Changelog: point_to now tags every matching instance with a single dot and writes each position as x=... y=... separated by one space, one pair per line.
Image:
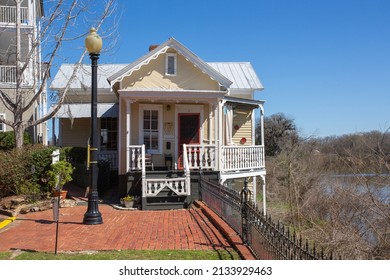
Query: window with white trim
x=151 y=128
x=2 y=125
x=170 y=64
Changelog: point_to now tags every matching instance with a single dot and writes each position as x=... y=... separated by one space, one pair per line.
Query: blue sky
x=324 y=63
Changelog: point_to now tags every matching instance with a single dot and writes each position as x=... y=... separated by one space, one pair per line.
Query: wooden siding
x=242 y=119
x=152 y=76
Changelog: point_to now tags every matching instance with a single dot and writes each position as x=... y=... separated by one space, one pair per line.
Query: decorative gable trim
x=182 y=50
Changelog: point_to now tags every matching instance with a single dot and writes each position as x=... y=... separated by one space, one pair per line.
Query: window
x=2 y=125
x=170 y=64
x=108 y=134
x=151 y=128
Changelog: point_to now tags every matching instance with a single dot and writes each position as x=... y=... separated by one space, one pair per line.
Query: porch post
x=220 y=134
x=262 y=124
x=264 y=196
x=128 y=132
x=210 y=122
x=215 y=107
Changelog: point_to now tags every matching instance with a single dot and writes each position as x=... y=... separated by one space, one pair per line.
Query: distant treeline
x=350 y=218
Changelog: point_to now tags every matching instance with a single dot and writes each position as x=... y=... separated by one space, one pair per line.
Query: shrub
x=22 y=171
x=39 y=161
x=59 y=174
x=30 y=189
x=7 y=140
x=13 y=171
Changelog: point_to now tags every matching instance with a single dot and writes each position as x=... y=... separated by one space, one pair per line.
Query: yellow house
x=166 y=118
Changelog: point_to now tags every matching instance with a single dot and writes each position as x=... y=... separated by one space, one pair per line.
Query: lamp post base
x=93 y=216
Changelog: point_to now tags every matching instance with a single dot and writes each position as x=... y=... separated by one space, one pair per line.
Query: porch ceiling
x=244 y=103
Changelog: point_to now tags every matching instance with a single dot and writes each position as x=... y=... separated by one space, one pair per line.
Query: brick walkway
x=121 y=230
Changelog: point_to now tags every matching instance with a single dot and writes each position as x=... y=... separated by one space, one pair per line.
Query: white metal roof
x=83 y=77
x=241 y=74
x=82 y=110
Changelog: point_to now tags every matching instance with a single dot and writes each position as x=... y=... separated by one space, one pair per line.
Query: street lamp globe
x=93 y=42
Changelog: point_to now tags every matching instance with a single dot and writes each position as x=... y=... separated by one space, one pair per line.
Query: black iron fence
x=267 y=240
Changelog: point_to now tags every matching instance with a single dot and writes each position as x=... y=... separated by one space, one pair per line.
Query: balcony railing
x=233 y=158
x=7 y=74
x=201 y=156
x=242 y=158
x=8 y=14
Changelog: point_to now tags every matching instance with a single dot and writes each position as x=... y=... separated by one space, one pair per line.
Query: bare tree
x=66 y=22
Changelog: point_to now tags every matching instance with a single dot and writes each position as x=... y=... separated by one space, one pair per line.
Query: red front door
x=189 y=129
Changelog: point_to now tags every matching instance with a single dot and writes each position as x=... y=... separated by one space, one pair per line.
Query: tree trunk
x=19 y=136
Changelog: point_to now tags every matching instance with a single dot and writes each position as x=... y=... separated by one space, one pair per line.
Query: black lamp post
x=93 y=43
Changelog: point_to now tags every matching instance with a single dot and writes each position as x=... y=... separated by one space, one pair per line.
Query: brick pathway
x=121 y=230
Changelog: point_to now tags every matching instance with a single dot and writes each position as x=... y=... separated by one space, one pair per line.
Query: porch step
x=165 y=202
x=165 y=206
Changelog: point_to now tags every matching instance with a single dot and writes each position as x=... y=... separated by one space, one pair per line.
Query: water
x=364 y=201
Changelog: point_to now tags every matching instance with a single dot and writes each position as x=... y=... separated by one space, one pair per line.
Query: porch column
x=264 y=196
x=128 y=132
x=262 y=123
x=210 y=122
x=220 y=133
x=215 y=107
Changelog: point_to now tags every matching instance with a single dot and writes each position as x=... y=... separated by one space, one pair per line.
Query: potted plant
x=58 y=175
x=128 y=201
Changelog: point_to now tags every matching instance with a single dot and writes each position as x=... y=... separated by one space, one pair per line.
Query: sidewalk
x=190 y=229
x=121 y=230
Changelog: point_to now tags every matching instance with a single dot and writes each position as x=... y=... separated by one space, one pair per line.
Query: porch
x=177 y=188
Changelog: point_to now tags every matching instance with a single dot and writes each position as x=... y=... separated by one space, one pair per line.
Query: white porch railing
x=7 y=74
x=201 y=156
x=179 y=186
x=233 y=158
x=240 y=158
x=151 y=187
x=8 y=14
x=136 y=154
x=111 y=156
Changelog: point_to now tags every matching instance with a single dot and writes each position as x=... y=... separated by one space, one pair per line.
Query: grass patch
x=130 y=255
x=5 y=255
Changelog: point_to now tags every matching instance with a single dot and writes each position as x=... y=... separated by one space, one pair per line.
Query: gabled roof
x=83 y=77
x=241 y=74
x=181 y=49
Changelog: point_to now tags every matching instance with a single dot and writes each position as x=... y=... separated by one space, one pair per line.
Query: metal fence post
x=244 y=212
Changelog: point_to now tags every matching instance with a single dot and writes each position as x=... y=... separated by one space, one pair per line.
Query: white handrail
x=8 y=74
x=186 y=168
x=201 y=156
x=8 y=14
x=237 y=158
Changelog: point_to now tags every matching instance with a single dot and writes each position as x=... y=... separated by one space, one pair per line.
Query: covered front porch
x=169 y=144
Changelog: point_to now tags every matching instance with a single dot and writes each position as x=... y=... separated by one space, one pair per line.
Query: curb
x=7 y=221
x=233 y=238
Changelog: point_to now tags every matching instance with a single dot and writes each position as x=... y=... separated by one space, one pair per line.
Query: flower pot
x=128 y=203
x=61 y=193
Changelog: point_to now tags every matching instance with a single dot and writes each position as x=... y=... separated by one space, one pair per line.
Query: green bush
x=30 y=189
x=59 y=174
x=22 y=171
x=39 y=161
x=7 y=140
x=13 y=171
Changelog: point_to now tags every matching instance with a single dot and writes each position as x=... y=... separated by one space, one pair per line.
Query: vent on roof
x=152 y=47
